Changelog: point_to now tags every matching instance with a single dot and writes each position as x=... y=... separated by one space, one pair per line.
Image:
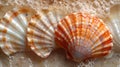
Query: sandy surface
x=58 y=58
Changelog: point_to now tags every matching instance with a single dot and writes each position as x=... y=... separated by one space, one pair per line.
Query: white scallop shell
x=40 y=33
x=114 y=23
x=13 y=28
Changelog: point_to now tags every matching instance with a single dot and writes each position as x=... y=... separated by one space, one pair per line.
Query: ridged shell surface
x=13 y=28
x=40 y=32
x=83 y=36
x=114 y=24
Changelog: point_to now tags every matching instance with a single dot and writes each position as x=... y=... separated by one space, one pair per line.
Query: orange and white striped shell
x=13 y=28
x=40 y=32
x=83 y=36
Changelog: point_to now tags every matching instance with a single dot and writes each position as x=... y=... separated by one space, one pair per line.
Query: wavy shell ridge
x=13 y=30
x=41 y=33
x=85 y=34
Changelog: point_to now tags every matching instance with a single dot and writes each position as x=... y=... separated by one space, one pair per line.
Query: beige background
x=100 y=8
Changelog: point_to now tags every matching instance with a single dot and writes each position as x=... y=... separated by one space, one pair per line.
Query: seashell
x=83 y=37
x=13 y=28
x=113 y=23
x=40 y=32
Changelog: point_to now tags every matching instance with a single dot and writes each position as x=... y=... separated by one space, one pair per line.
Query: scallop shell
x=83 y=37
x=13 y=28
x=40 y=33
x=114 y=24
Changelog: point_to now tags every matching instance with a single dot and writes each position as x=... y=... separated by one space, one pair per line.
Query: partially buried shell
x=83 y=36
x=40 y=33
x=13 y=28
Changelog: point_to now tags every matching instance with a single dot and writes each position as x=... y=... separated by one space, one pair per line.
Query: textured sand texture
x=100 y=8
